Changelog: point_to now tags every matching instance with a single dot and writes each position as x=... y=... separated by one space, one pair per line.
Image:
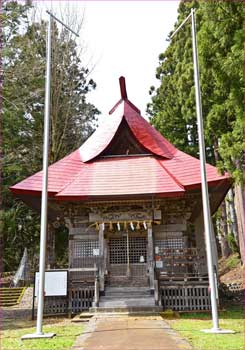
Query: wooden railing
x=76 y=292
x=83 y=293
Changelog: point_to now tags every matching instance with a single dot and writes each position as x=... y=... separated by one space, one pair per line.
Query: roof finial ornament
x=123 y=88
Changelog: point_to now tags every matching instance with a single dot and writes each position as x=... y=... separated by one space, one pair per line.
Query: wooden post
x=156 y=293
x=128 y=261
x=102 y=263
x=50 y=246
x=96 y=292
x=150 y=257
x=200 y=244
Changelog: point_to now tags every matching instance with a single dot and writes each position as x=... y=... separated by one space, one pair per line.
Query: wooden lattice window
x=84 y=247
x=137 y=248
x=170 y=243
x=118 y=250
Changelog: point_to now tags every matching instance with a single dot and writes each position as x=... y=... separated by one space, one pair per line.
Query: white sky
x=123 y=38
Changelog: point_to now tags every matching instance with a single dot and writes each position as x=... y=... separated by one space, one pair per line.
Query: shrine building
x=133 y=206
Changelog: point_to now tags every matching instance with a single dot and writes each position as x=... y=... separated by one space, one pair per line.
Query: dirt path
x=129 y=333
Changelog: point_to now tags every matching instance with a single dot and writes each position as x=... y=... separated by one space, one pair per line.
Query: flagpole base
x=37 y=336
x=218 y=331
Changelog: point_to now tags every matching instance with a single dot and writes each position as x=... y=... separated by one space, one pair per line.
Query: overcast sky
x=123 y=38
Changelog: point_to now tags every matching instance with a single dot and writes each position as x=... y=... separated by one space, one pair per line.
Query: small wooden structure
x=132 y=203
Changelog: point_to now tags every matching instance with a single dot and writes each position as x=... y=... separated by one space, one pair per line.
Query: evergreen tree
x=72 y=117
x=172 y=110
x=221 y=54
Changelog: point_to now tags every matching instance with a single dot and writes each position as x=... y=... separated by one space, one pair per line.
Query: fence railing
x=81 y=293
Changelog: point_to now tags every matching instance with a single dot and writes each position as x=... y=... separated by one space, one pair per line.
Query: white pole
x=43 y=235
x=205 y=197
x=44 y=206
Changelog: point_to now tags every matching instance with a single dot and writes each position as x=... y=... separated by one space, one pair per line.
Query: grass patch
x=189 y=325
x=66 y=333
x=232 y=261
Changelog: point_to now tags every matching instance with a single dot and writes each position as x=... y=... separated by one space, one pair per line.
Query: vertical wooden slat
x=181 y=298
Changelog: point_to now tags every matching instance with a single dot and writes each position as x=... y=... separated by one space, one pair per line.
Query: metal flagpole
x=44 y=208
x=44 y=205
x=205 y=196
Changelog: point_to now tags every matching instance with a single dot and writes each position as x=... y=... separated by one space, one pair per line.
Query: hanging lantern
x=138 y=225
x=132 y=226
x=145 y=226
x=118 y=226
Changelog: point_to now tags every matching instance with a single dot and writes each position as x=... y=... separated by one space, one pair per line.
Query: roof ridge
x=126 y=100
x=171 y=175
x=72 y=179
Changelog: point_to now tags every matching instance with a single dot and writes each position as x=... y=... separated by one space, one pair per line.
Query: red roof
x=145 y=134
x=59 y=175
x=121 y=176
x=84 y=174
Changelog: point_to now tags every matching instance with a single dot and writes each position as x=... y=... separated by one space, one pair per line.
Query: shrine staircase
x=130 y=300
x=11 y=296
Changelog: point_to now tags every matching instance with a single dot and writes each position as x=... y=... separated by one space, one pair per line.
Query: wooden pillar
x=200 y=243
x=150 y=260
x=128 y=261
x=51 y=247
x=102 y=260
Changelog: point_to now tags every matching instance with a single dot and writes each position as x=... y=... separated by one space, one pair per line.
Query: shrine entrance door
x=127 y=259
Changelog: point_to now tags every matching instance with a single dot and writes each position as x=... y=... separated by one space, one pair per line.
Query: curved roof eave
x=144 y=133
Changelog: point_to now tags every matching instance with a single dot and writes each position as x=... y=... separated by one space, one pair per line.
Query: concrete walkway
x=129 y=333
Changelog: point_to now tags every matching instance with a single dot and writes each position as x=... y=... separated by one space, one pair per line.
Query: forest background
x=220 y=32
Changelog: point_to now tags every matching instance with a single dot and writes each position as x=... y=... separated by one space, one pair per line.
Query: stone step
x=126 y=296
x=11 y=296
x=126 y=292
x=6 y=298
x=78 y=319
x=127 y=302
x=127 y=289
x=11 y=289
x=8 y=303
x=128 y=282
x=2 y=295
x=146 y=310
x=85 y=314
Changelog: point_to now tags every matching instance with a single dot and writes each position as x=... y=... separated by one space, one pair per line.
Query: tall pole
x=205 y=197
x=44 y=207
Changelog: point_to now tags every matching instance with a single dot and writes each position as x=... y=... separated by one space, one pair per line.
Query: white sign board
x=156 y=250
x=96 y=252
x=55 y=283
x=159 y=264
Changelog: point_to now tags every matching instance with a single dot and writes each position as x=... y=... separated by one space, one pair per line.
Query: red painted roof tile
x=145 y=134
x=121 y=176
x=186 y=169
x=59 y=174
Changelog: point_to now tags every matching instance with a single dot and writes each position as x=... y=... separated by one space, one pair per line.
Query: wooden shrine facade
x=132 y=204
x=150 y=243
